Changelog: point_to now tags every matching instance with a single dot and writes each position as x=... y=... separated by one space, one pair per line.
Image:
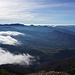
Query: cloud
x=11 y=33
x=8 y=40
x=30 y=11
x=7 y=57
x=6 y=37
x=16 y=9
x=19 y=10
x=54 y=5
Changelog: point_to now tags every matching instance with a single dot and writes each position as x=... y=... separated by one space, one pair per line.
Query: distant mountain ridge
x=16 y=24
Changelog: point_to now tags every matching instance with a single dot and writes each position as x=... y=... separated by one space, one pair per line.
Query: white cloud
x=6 y=37
x=19 y=10
x=16 y=9
x=25 y=10
x=8 y=58
x=8 y=40
x=11 y=33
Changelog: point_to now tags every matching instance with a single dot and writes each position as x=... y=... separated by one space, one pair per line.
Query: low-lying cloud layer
x=7 y=57
x=6 y=37
x=10 y=33
x=8 y=40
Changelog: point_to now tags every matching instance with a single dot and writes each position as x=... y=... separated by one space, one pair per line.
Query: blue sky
x=37 y=11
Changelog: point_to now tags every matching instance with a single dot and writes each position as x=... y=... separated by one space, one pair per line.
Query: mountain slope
x=65 y=65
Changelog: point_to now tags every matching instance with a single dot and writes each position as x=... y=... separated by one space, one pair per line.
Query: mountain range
x=51 y=47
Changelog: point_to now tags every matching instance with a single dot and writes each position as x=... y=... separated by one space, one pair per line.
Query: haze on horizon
x=37 y=11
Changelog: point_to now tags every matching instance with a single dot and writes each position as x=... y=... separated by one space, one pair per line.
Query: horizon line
x=40 y=24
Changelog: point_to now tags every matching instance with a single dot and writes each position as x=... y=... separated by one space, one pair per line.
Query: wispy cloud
x=8 y=40
x=21 y=9
x=52 y=5
x=26 y=11
x=8 y=58
x=11 y=33
x=6 y=37
x=17 y=9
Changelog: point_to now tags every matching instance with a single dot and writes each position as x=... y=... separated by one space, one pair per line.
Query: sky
x=37 y=11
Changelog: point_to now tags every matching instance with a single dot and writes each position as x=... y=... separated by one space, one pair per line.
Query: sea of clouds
x=7 y=57
x=6 y=37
